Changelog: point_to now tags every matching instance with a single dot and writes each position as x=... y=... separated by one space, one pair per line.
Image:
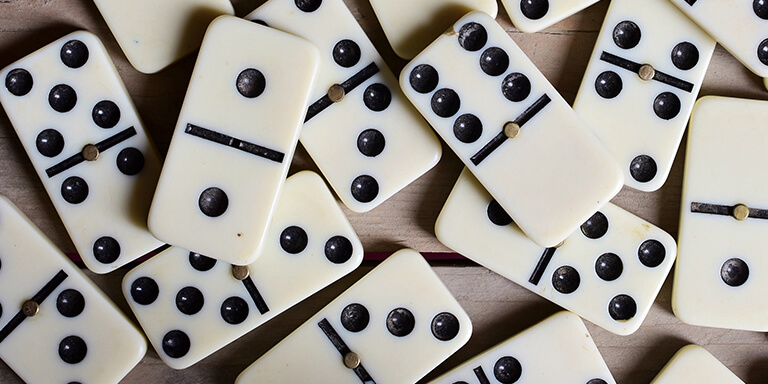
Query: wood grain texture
x=498 y=308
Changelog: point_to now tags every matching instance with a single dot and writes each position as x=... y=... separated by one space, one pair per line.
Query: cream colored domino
x=693 y=364
x=641 y=84
x=56 y=326
x=88 y=145
x=723 y=234
x=191 y=305
x=393 y=326
x=765 y=81
x=234 y=140
x=511 y=128
x=154 y=34
x=411 y=25
x=534 y=15
x=608 y=272
x=556 y=350
x=741 y=26
x=370 y=143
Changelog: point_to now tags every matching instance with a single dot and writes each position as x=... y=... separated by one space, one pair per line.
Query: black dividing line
x=38 y=298
x=343 y=349
x=691 y=2
x=351 y=83
x=256 y=296
x=229 y=141
x=544 y=260
x=497 y=140
x=101 y=146
x=635 y=67
x=481 y=377
x=726 y=210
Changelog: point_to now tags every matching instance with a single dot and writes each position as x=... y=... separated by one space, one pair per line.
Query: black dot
x=566 y=279
x=445 y=102
x=472 y=36
x=200 y=262
x=734 y=272
x=355 y=317
x=62 y=98
x=130 y=161
x=626 y=35
x=761 y=8
x=597 y=381
x=293 y=239
x=400 y=322
x=497 y=214
x=364 y=188
x=234 y=310
x=70 y=303
x=308 y=5
x=445 y=326
x=74 y=54
x=651 y=253
x=507 y=370
x=213 y=202
x=106 y=250
x=1 y=310
x=18 y=82
x=371 y=142
x=189 y=300
x=72 y=350
x=666 y=105
x=144 y=290
x=762 y=52
x=534 y=9
x=596 y=226
x=685 y=56
x=346 y=53
x=494 y=61
x=424 y=78
x=622 y=307
x=643 y=168
x=49 y=143
x=176 y=344
x=74 y=190
x=609 y=266
x=516 y=87
x=251 y=83
x=467 y=128
x=338 y=249
x=377 y=97
x=608 y=84
x=106 y=114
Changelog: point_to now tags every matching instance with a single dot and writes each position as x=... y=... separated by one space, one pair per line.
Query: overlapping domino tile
x=191 y=305
x=366 y=138
x=512 y=129
x=234 y=140
x=534 y=15
x=557 y=350
x=393 y=326
x=693 y=364
x=640 y=86
x=154 y=34
x=723 y=233
x=741 y=26
x=55 y=324
x=411 y=31
x=608 y=272
x=88 y=145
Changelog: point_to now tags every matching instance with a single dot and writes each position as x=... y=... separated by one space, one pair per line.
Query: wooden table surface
x=498 y=308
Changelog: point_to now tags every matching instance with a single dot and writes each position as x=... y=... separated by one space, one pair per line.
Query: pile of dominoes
x=220 y=239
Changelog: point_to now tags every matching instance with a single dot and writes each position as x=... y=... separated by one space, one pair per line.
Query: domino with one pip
x=234 y=140
x=534 y=15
